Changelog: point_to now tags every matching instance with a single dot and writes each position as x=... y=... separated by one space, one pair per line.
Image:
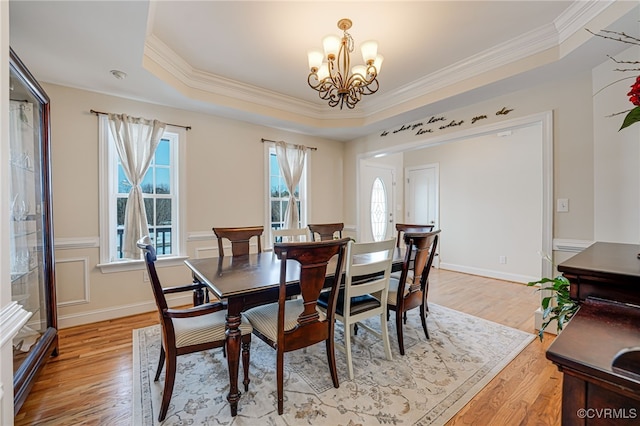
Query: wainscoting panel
x=74 y=272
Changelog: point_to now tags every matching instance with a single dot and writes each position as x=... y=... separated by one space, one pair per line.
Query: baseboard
x=488 y=273
x=72 y=320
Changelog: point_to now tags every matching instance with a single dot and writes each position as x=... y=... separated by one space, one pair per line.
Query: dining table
x=252 y=280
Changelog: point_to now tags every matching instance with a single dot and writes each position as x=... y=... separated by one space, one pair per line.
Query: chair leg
x=423 y=316
x=160 y=364
x=399 y=331
x=169 y=379
x=280 y=379
x=385 y=336
x=246 y=345
x=331 y=358
x=347 y=348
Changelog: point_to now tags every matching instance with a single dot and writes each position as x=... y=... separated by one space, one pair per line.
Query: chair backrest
x=150 y=257
x=240 y=238
x=314 y=259
x=290 y=235
x=326 y=231
x=421 y=249
x=369 y=267
x=405 y=227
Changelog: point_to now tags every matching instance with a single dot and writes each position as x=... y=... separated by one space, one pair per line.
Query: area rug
x=427 y=386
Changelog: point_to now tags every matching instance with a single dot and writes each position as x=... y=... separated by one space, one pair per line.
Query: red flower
x=634 y=94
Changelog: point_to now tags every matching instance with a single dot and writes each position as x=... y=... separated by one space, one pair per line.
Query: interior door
x=376 y=202
x=421 y=195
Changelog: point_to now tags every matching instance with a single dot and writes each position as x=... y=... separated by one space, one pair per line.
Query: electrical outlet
x=563 y=205
x=502 y=260
x=145 y=276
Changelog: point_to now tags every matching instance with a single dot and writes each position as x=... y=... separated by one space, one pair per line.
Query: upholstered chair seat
x=265 y=317
x=204 y=328
x=393 y=290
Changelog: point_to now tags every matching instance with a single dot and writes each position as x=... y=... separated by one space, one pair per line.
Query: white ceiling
x=247 y=60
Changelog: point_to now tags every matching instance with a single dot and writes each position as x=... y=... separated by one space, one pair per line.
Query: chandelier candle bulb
x=331 y=45
x=369 y=51
x=315 y=59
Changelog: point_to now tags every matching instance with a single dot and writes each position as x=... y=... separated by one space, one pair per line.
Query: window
x=278 y=194
x=160 y=188
x=378 y=210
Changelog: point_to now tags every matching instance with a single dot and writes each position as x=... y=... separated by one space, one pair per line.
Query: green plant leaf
x=632 y=117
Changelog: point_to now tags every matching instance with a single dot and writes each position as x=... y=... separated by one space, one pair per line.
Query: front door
x=376 y=202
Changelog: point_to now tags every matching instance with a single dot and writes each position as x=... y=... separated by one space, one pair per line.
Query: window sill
x=134 y=265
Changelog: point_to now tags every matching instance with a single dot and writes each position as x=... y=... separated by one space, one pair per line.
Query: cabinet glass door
x=26 y=225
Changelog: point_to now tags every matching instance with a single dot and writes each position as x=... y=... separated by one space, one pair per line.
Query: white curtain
x=136 y=142
x=291 y=161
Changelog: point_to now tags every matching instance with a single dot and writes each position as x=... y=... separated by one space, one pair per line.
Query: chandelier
x=331 y=73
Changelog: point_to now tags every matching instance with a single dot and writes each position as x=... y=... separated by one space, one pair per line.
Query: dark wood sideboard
x=605 y=279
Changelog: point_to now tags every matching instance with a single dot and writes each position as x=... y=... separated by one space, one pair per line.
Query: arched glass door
x=379 y=210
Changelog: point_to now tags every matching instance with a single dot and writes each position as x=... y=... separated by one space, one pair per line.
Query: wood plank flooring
x=90 y=382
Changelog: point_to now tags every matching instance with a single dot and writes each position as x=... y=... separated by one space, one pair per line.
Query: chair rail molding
x=76 y=243
x=568 y=245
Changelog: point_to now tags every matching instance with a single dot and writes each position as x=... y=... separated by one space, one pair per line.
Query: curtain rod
x=168 y=124
x=311 y=148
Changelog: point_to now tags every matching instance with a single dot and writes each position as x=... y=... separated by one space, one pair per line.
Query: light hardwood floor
x=90 y=382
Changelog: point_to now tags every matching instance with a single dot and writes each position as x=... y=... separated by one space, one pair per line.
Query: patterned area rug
x=427 y=386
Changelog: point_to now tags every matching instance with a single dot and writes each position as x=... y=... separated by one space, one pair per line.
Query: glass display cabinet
x=31 y=228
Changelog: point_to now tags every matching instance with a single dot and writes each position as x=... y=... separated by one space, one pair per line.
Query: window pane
x=163 y=180
x=163 y=212
x=273 y=165
x=123 y=183
x=148 y=206
x=163 y=240
x=120 y=207
x=276 y=216
x=147 y=182
x=163 y=153
x=378 y=210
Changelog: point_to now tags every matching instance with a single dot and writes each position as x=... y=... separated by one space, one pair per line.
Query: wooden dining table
x=248 y=281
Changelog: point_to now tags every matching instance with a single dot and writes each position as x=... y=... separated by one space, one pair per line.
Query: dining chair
x=240 y=239
x=289 y=235
x=292 y=324
x=326 y=231
x=409 y=291
x=405 y=227
x=185 y=331
x=364 y=295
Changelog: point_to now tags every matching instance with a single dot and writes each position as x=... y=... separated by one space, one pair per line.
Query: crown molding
x=540 y=41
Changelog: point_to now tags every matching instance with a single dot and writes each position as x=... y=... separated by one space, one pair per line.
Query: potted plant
x=558 y=306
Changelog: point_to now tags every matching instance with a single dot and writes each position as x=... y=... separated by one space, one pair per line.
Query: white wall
x=491 y=202
x=570 y=102
x=225 y=163
x=617 y=154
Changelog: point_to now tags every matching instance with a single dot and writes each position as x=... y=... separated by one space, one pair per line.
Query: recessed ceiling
x=247 y=60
